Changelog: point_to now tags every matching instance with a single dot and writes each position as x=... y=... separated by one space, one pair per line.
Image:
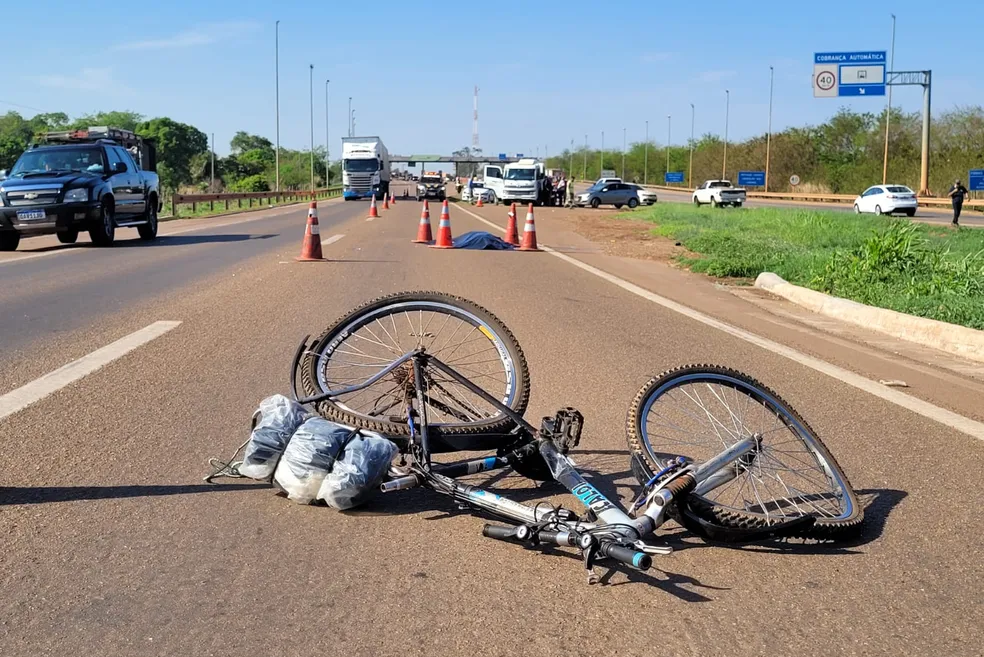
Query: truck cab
x=521 y=181
x=365 y=168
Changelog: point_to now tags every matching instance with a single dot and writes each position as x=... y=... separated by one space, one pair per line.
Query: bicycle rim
x=697 y=414
x=466 y=342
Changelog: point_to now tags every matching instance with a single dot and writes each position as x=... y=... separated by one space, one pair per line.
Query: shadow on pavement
x=46 y=494
x=182 y=240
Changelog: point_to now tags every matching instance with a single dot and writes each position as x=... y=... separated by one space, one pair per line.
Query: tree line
x=842 y=156
x=184 y=160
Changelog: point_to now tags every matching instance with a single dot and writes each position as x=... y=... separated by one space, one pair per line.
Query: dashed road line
x=965 y=425
x=36 y=390
x=331 y=240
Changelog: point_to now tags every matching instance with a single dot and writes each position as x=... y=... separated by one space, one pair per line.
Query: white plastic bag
x=309 y=457
x=357 y=473
x=279 y=419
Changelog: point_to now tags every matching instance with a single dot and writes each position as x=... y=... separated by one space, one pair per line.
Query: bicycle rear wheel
x=697 y=410
x=460 y=333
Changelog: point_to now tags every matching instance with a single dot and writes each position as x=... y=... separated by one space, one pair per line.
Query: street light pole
x=888 y=111
x=327 y=107
x=277 y=66
x=727 y=109
x=349 y=126
x=690 y=173
x=601 y=155
x=312 y=125
x=623 y=153
x=668 y=140
x=768 y=139
x=570 y=165
x=645 y=166
x=211 y=185
x=584 y=171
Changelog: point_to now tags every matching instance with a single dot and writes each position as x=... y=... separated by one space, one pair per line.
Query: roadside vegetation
x=925 y=270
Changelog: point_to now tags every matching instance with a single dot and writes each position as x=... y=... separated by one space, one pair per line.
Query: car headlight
x=77 y=195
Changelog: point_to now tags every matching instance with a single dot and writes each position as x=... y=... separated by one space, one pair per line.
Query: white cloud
x=201 y=35
x=88 y=79
x=715 y=76
x=654 y=57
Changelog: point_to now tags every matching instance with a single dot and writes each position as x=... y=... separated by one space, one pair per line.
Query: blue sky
x=547 y=72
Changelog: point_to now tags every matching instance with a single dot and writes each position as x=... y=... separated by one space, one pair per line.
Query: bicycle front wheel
x=462 y=334
x=699 y=410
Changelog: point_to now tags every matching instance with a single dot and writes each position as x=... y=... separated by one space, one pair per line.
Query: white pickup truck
x=718 y=193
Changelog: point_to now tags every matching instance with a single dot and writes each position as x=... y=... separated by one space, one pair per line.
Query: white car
x=601 y=182
x=646 y=196
x=886 y=199
x=719 y=193
x=478 y=190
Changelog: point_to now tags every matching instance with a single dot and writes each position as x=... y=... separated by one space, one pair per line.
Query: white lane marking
x=259 y=214
x=22 y=397
x=331 y=240
x=965 y=425
x=370 y=218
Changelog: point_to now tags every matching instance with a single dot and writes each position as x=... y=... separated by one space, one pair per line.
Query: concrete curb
x=958 y=340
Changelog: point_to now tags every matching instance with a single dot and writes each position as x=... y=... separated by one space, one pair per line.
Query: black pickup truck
x=81 y=180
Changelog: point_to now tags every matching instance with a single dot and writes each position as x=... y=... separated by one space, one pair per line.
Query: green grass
x=219 y=207
x=924 y=270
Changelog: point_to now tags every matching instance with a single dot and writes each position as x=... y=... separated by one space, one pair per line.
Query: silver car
x=616 y=193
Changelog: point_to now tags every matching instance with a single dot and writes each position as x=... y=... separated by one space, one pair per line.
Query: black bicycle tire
x=496 y=426
x=822 y=529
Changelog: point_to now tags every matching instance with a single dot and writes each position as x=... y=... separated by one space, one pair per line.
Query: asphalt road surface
x=112 y=545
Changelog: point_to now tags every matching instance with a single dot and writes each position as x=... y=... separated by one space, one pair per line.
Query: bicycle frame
x=614 y=523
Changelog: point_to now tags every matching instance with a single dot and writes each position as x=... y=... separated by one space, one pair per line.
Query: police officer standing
x=957 y=194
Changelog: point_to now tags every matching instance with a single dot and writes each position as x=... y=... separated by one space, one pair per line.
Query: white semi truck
x=365 y=168
x=521 y=181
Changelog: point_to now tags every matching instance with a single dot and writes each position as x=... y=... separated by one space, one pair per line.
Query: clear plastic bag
x=279 y=419
x=309 y=458
x=357 y=473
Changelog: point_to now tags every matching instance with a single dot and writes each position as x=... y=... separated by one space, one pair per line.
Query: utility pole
x=690 y=174
x=601 y=155
x=570 y=166
x=768 y=139
x=312 y=125
x=277 y=67
x=888 y=110
x=623 y=153
x=645 y=166
x=727 y=109
x=668 y=140
x=211 y=184
x=327 y=158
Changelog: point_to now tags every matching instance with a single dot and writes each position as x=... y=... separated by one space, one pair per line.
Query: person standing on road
x=561 y=191
x=956 y=194
x=570 y=193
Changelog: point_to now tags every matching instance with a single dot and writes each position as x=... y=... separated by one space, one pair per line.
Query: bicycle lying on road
x=713 y=448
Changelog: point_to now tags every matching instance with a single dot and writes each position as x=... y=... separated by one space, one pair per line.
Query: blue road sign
x=975 y=180
x=502 y=156
x=751 y=178
x=673 y=176
x=839 y=74
x=519 y=155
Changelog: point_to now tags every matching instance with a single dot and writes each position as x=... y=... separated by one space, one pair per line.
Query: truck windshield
x=430 y=180
x=361 y=166
x=59 y=159
x=520 y=174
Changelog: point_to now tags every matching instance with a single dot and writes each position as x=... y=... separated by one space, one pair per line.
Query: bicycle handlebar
x=628 y=556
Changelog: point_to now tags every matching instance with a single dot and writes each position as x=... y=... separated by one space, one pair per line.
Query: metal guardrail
x=271 y=198
x=825 y=198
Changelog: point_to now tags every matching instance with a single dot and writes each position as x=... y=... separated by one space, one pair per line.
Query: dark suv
x=80 y=182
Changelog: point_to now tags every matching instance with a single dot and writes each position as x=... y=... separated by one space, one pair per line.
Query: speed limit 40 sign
x=824 y=81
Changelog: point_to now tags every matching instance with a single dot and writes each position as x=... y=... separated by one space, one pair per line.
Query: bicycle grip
x=628 y=556
x=499 y=532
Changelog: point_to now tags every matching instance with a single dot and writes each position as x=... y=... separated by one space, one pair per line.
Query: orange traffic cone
x=311 y=246
x=392 y=199
x=479 y=204
x=424 y=229
x=529 y=233
x=444 y=239
x=372 y=207
x=386 y=202
x=512 y=237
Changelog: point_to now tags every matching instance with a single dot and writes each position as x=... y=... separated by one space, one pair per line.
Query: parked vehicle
x=646 y=196
x=887 y=199
x=617 y=194
x=77 y=180
x=431 y=185
x=365 y=168
x=607 y=180
x=478 y=191
x=718 y=193
x=521 y=181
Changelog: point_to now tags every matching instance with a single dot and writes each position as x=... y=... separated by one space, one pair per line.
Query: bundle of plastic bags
x=312 y=459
